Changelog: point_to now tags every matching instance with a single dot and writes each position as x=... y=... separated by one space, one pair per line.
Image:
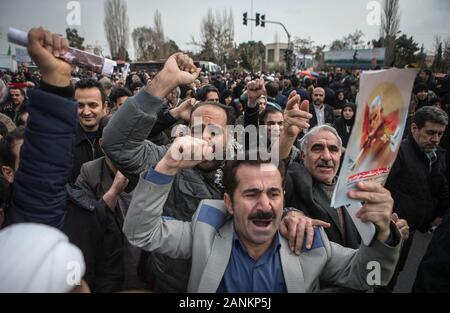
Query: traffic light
x=257 y=19
x=245 y=18
x=263 y=20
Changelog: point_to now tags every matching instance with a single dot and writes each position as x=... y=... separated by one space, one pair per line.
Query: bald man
x=322 y=113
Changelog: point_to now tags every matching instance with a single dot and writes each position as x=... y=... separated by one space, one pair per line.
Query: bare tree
x=390 y=26
x=117 y=28
x=446 y=45
x=354 y=40
x=303 y=45
x=216 y=37
x=150 y=42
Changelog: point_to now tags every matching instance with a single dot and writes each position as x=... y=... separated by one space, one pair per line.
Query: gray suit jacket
x=207 y=241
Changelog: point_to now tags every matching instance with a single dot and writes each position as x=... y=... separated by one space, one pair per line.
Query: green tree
x=438 y=60
x=338 y=45
x=252 y=55
x=405 y=51
x=74 y=39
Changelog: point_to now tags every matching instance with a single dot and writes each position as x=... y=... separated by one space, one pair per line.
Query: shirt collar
x=273 y=249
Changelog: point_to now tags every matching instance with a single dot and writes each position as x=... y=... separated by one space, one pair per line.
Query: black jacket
x=85 y=151
x=329 y=115
x=91 y=226
x=420 y=195
x=433 y=274
x=341 y=128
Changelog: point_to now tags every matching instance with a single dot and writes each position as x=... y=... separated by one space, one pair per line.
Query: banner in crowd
x=383 y=103
x=363 y=58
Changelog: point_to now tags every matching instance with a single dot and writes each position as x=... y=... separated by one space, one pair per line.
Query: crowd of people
x=104 y=170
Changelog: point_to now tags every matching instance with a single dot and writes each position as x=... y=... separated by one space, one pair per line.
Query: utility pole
x=251 y=26
x=290 y=54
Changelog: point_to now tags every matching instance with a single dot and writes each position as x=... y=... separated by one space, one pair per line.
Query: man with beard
x=235 y=247
x=322 y=113
x=125 y=144
x=92 y=108
x=312 y=179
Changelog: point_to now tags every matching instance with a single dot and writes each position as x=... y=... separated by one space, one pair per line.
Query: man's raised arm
x=125 y=136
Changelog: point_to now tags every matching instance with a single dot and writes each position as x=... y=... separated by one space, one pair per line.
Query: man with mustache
x=312 y=179
x=244 y=253
x=124 y=142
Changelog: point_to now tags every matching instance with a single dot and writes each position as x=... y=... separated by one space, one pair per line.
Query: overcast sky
x=322 y=20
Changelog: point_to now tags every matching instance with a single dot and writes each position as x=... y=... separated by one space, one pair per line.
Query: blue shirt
x=245 y=275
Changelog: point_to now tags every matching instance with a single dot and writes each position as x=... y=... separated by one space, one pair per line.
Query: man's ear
x=414 y=127
x=302 y=155
x=8 y=173
x=228 y=203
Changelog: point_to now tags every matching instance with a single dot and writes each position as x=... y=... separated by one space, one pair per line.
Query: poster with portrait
x=383 y=103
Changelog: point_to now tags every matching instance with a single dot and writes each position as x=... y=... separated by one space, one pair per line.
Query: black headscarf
x=351 y=121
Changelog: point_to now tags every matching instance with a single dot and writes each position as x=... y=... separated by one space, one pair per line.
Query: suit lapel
x=218 y=259
x=292 y=270
x=321 y=201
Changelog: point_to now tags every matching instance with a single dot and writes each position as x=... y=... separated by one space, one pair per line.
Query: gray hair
x=177 y=91
x=325 y=127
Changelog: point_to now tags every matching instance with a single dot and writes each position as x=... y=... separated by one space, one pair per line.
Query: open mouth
x=262 y=223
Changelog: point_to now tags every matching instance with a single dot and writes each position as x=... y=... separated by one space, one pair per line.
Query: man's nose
x=264 y=202
x=435 y=138
x=326 y=155
x=86 y=111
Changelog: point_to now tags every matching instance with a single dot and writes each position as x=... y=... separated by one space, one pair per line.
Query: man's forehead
x=209 y=114
x=88 y=93
x=323 y=137
x=433 y=126
x=275 y=116
x=250 y=176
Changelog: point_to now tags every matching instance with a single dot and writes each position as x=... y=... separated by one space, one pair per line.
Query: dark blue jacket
x=46 y=158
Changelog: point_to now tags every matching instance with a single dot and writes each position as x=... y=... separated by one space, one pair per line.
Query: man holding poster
x=373 y=146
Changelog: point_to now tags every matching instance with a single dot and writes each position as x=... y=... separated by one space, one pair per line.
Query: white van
x=210 y=67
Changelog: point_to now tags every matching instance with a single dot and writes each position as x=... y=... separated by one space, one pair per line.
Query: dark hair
x=205 y=90
x=7 y=157
x=322 y=81
x=22 y=91
x=120 y=92
x=349 y=105
x=295 y=82
x=230 y=181
x=269 y=109
x=136 y=85
x=420 y=87
x=88 y=83
x=430 y=114
x=225 y=94
x=272 y=89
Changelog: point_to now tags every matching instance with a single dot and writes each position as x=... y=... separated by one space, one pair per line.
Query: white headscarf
x=38 y=258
